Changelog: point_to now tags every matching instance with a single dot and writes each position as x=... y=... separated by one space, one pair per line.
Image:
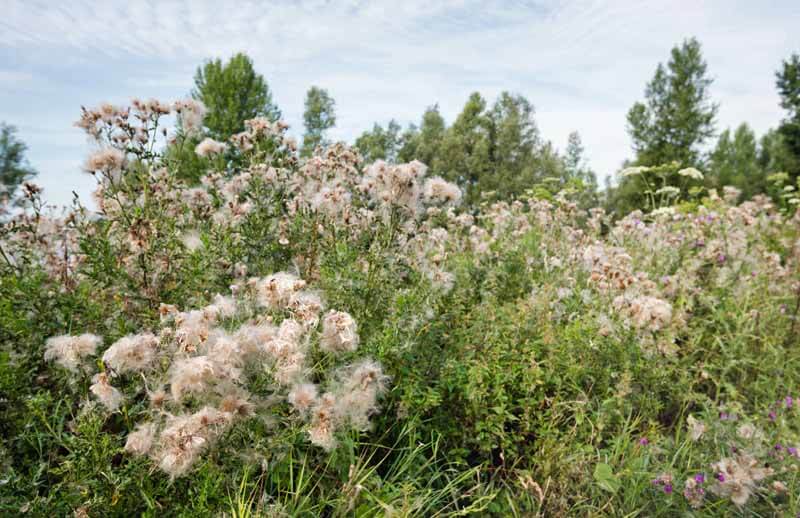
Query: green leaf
x=604 y=476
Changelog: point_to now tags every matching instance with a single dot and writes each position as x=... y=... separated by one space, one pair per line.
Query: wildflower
x=209 y=147
x=131 y=353
x=360 y=386
x=221 y=306
x=165 y=311
x=141 y=440
x=276 y=290
x=68 y=351
x=306 y=307
x=253 y=337
x=302 y=397
x=289 y=360
x=664 y=480
x=663 y=211
x=646 y=312
x=193 y=327
x=323 y=422
x=192 y=241
x=691 y=172
x=644 y=441
x=338 y=333
x=106 y=160
x=185 y=437
x=692 y=492
x=696 y=428
x=668 y=191
x=157 y=398
x=192 y=375
x=225 y=352
x=437 y=190
x=190 y=115
x=109 y=396
x=748 y=431
x=633 y=171
x=738 y=478
x=236 y=404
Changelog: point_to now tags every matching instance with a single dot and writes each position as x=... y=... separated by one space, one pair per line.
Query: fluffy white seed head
x=140 y=441
x=109 y=396
x=339 y=333
x=68 y=351
x=132 y=353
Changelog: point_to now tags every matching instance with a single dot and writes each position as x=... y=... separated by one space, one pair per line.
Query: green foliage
x=424 y=143
x=677 y=116
x=380 y=143
x=735 y=162
x=544 y=360
x=492 y=152
x=788 y=83
x=232 y=92
x=14 y=168
x=318 y=117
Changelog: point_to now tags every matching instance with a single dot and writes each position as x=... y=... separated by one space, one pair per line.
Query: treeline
x=494 y=150
x=675 y=124
x=491 y=151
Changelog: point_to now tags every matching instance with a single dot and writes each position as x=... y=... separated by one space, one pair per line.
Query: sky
x=582 y=63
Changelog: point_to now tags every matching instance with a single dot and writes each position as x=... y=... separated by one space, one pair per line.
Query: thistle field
x=321 y=336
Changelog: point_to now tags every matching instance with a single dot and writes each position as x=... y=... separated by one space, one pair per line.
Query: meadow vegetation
x=238 y=327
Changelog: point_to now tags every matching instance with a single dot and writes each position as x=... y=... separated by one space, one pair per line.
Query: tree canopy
x=14 y=167
x=318 y=117
x=232 y=92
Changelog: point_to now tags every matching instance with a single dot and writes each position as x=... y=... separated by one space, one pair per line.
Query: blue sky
x=582 y=63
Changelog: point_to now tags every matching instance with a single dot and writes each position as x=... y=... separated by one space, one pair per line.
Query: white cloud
x=582 y=63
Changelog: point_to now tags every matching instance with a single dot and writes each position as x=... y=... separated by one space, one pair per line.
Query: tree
x=463 y=154
x=232 y=93
x=574 y=162
x=677 y=116
x=774 y=156
x=577 y=173
x=318 y=117
x=380 y=143
x=14 y=168
x=514 y=141
x=424 y=143
x=788 y=83
x=734 y=161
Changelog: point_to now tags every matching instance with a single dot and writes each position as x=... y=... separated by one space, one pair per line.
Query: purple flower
x=723 y=416
x=644 y=441
x=772 y=415
x=778 y=447
x=721 y=258
x=792 y=451
x=668 y=488
x=720 y=477
x=788 y=401
x=700 y=478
